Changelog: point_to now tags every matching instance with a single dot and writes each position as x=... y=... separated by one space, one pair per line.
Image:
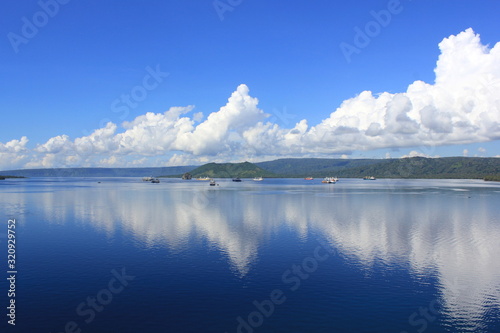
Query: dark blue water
x=281 y=255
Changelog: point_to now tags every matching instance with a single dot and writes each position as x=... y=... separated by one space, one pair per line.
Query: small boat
x=213 y=183
x=155 y=180
x=329 y=180
x=236 y=180
x=258 y=179
x=309 y=178
x=369 y=178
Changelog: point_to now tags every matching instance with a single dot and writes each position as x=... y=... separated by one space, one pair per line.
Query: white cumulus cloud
x=211 y=136
x=14 y=154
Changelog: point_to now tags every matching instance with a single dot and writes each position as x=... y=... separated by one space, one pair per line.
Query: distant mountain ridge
x=100 y=172
x=421 y=167
x=415 y=167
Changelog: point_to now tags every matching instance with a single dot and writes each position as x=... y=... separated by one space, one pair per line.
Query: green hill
x=230 y=170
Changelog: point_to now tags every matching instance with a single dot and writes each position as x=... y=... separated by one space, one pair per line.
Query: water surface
x=356 y=256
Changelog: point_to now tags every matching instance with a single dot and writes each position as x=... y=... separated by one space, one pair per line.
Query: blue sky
x=71 y=76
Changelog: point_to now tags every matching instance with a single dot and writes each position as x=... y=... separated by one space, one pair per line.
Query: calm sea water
x=281 y=255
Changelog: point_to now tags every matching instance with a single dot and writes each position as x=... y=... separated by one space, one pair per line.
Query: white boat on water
x=203 y=178
x=330 y=180
x=147 y=179
x=258 y=179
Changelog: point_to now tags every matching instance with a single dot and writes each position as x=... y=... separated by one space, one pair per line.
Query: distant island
x=3 y=177
x=487 y=168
